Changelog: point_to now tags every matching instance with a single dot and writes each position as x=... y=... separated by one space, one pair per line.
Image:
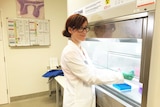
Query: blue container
x=122 y=86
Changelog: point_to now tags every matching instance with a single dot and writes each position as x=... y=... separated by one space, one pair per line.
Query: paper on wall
x=53 y=62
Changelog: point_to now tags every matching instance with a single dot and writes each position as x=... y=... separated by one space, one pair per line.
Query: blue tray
x=122 y=86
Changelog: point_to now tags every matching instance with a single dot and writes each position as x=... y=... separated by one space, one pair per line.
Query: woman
x=78 y=70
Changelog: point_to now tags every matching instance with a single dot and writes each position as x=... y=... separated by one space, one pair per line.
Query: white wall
x=154 y=79
x=26 y=65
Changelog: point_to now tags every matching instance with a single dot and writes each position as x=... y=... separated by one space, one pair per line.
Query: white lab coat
x=81 y=76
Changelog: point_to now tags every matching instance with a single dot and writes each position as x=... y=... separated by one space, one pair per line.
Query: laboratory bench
x=60 y=83
x=104 y=98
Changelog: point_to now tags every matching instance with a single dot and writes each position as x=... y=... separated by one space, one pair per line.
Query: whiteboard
x=28 y=32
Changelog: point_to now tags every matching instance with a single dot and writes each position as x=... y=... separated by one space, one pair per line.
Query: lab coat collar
x=70 y=42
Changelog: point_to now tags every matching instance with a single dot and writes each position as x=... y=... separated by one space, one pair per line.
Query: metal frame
x=146 y=55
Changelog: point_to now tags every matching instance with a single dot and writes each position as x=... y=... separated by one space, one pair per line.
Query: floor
x=42 y=101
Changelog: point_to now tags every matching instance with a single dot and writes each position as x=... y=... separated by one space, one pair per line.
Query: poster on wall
x=30 y=9
x=28 y=32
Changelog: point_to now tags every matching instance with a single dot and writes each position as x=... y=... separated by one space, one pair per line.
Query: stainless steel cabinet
x=104 y=100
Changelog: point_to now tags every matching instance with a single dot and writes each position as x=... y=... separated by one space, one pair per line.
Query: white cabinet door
x=3 y=80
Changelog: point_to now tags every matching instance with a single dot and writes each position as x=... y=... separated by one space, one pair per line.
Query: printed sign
x=101 y=5
x=141 y=3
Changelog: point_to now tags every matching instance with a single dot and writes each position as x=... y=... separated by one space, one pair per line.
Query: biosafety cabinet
x=123 y=46
x=122 y=42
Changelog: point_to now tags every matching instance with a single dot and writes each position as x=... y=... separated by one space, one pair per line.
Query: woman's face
x=78 y=35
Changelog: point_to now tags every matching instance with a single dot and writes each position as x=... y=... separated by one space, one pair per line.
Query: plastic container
x=123 y=87
x=128 y=75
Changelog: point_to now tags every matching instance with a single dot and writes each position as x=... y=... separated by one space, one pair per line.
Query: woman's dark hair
x=75 y=21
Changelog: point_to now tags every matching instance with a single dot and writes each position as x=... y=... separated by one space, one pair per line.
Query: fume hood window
x=125 y=29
